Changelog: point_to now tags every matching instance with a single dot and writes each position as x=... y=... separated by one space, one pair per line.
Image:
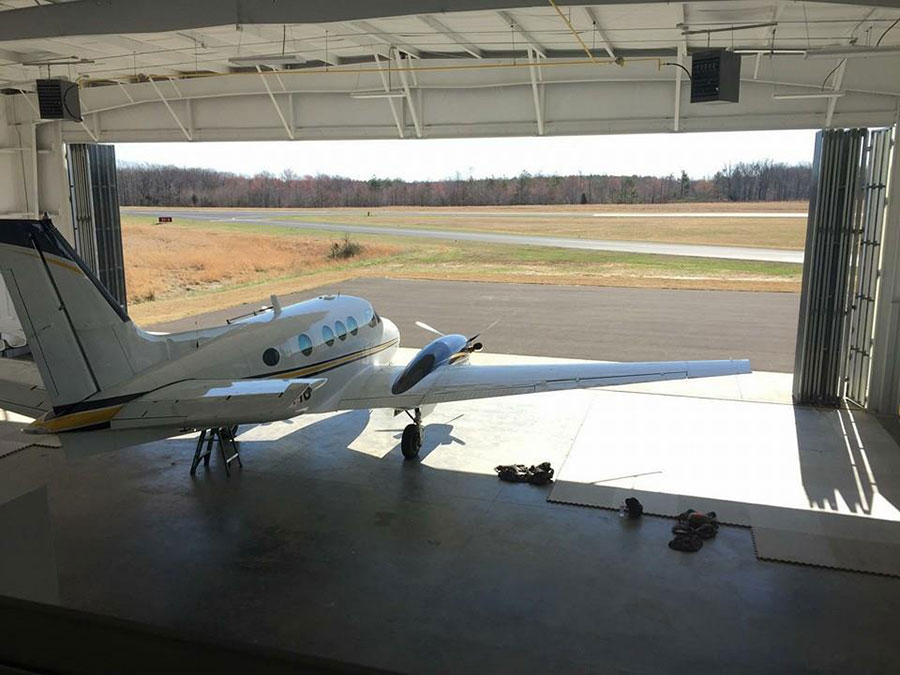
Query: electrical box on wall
x=58 y=100
x=715 y=76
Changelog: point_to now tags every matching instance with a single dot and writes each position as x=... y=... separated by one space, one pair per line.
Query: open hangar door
x=95 y=213
x=842 y=266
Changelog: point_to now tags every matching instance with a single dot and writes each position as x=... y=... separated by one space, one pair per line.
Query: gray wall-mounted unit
x=715 y=76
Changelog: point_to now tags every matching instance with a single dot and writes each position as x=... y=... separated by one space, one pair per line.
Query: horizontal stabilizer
x=201 y=404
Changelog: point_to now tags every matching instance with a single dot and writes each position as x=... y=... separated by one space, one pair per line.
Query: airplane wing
x=209 y=403
x=463 y=382
x=21 y=388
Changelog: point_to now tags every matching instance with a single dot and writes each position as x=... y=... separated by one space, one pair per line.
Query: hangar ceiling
x=264 y=70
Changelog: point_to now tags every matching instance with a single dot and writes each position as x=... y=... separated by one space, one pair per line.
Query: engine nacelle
x=431 y=357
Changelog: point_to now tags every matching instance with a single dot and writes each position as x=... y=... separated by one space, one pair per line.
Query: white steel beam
x=598 y=31
x=405 y=82
x=682 y=53
x=528 y=37
x=534 y=69
x=387 y=89
x=90 y=133
x=832 y=102
x=448 y=32
x=287 y=127
x=385 y=38
x=186 y=133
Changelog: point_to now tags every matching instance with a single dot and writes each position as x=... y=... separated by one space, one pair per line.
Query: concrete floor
x=328 y=543
x=582 y=322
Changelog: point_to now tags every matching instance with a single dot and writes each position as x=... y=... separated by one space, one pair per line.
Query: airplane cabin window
x=354 y=328
x=328 y=335
x=341 y=330
x=306 y=345
x=271 y=357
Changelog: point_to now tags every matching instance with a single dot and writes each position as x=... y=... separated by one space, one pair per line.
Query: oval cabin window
x=328 y=335
x=305 y=343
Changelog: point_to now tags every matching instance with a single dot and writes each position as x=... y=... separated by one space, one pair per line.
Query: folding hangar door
x=842 y=266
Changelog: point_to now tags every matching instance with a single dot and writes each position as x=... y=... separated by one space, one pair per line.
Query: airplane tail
x=82 y=340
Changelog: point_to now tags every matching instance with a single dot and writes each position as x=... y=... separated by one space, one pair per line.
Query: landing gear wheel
x=411 y=442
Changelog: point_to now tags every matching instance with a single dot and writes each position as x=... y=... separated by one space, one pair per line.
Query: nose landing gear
x=411 y=442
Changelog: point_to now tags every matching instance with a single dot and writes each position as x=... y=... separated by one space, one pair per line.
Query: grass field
x=587 y=222
x=186 y=267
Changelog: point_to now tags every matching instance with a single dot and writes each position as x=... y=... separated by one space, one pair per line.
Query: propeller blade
x=425 y=326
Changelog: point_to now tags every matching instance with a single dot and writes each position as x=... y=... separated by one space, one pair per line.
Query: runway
x=612 y=324
x=654 y=248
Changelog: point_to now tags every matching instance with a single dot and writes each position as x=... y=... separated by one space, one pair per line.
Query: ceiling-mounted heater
x=715 y=76
x=58 y=100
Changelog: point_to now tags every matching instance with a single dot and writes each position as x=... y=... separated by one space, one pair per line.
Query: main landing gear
x=411 y=442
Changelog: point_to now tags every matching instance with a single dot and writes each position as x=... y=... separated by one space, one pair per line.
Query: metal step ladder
x=222 y=437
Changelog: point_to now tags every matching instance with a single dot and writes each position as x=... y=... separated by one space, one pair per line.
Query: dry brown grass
x=165 y=261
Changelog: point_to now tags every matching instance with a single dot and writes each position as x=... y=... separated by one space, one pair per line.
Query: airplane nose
x=390 y=329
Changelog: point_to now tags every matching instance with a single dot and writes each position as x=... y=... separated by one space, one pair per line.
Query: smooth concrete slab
x=780 y=469
x=28 y=563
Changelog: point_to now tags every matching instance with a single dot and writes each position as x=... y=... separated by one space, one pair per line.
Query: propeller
x=472 y=346
x=422 y=324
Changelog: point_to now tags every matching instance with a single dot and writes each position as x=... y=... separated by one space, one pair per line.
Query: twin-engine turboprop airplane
x=99 y=371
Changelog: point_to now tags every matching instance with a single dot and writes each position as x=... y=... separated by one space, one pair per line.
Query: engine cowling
x=435 y=354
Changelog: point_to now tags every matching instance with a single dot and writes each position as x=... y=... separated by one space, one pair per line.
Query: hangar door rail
x=841 y=270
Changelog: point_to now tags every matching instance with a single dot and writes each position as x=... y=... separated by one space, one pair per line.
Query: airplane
x=97 y=371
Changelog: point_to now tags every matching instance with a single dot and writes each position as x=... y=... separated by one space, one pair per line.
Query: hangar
x=267 y=70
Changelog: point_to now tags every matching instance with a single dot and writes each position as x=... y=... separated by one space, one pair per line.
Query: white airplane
x=100 y=371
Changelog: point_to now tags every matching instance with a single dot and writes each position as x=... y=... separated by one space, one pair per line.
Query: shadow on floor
x=848 y=461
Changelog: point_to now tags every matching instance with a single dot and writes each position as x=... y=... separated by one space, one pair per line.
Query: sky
x=700 y=154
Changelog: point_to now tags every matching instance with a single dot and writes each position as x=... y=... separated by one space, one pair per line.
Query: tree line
x=154 y=185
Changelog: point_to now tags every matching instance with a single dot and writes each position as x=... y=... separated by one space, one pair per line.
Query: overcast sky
x=646 y=154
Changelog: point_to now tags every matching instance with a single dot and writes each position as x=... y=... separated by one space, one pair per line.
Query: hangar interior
x=325 y=544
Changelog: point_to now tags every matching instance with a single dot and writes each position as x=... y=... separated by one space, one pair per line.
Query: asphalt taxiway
x=584 y=322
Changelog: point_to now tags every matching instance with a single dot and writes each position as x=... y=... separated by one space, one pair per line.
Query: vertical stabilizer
x=76 y=331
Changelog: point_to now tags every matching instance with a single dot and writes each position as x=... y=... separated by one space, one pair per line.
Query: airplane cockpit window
x=369 y=316
x=354 y=328
x=328 y=335
x=271 y=357
x=374 y=320
x=305 y=343
x=341 y=330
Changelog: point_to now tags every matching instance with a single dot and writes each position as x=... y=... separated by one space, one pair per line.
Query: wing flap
x=209 y=403
x=464 y=382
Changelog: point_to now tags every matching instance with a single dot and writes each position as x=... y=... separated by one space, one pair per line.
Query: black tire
x=411 y=442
